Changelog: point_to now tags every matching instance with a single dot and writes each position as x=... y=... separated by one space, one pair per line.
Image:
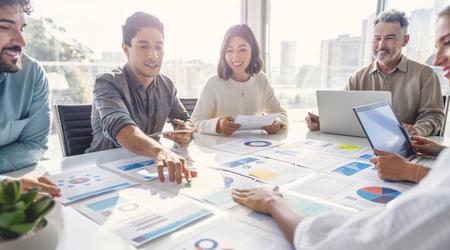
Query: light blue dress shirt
x=24 y=116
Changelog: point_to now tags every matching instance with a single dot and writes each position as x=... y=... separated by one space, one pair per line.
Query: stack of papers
x=340 y=173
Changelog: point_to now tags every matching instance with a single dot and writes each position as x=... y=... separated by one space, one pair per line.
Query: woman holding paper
x=239 y=88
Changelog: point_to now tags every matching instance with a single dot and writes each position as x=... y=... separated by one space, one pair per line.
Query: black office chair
x=74 y=128
x=189 y=104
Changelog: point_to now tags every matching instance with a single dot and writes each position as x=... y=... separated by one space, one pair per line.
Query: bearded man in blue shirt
x=24 y=105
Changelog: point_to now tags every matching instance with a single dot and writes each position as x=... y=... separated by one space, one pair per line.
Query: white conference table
x=76 y=231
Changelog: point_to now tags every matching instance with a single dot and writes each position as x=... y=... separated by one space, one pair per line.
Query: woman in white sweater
x=239 y=88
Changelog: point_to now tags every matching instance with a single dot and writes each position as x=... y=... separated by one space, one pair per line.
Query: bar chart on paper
x=139 y=168
x=140 y=215
x=351 y=168
x=265 y=170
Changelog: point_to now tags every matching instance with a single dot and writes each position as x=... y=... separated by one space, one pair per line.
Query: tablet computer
x=383 y=129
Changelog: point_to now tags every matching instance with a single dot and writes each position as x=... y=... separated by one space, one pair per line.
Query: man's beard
x=12 y=67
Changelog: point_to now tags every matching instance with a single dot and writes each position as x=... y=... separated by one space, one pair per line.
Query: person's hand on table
x=257 y=199
x=426 y=146
x=274 y=128
x=312 y=121
x=226 y=126
x=44 y=184
x=175 y=165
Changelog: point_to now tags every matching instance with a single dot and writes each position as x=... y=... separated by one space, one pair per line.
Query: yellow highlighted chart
x=349 y=147
x=264 y=174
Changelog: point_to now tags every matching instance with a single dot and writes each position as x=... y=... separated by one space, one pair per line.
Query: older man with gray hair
x=416 y=94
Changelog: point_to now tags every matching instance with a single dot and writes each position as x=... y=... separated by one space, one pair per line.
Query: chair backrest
x=446 y=101
x=74 y=128
x=189 y=103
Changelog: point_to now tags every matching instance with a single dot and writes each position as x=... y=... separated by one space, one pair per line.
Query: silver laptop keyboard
x=424 y=161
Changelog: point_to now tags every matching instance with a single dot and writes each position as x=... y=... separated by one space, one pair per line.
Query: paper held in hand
x=255 y=121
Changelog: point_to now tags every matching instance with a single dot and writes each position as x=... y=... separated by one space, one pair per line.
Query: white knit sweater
x=221 y=98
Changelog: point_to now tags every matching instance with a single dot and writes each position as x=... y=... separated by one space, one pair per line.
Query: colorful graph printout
x=265 y=170
x=357 y=193
x=228 y=233
x=210 y=185
x=140 y=215
x=328 y=148
x=138 y=168
x=378 y=194
x=77 y=185
x=301 y=157
x=351 y=168
x=246 y=146
x=258 y=143
x=367 y=156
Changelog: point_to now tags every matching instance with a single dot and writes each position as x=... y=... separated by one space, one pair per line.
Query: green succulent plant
x=21 y=212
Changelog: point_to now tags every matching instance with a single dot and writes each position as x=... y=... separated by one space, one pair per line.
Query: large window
x=309 y=45
x=316 y=45
x=76 y=40
x=422 y=14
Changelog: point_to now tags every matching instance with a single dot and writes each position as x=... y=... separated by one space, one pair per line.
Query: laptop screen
x=383 y=129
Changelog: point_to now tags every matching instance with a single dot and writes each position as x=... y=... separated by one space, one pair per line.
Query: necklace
x=242 y=83
x=242 y=87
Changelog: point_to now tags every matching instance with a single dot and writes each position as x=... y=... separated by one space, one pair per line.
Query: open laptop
x=336 y=109
x=386 y=133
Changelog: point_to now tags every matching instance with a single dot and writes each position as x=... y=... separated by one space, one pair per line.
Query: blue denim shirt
x=24 y=116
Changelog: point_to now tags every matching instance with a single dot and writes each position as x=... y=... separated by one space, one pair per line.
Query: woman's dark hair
x=25 y=4
x=136 y=22
x=256 y=62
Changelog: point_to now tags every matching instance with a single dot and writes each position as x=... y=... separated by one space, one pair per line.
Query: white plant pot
x=43 y=239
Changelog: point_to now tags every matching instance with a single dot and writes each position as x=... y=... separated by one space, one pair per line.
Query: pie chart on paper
x=378 y=194
x=257 y=143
